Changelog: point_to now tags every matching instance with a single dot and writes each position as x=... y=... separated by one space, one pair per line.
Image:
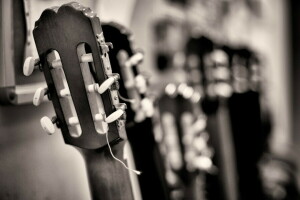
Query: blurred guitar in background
x=133 y=89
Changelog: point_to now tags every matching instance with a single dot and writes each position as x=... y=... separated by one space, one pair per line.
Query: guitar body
x=140 y=133
x=74 y=58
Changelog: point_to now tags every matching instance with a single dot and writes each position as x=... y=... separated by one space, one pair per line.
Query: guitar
x=249 y=127
x=210 y=75
x=186 y=141
x=73 y=56
x=125 y=60
x=233 y=75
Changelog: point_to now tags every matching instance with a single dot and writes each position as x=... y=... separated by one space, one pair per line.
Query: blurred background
x=255 y=41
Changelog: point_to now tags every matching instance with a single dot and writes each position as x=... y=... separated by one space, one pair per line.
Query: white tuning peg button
x=107 y=83
x=47 y=125
x=141 y=83
x=203 y=163
x=199 y=143
x=30 y=64
x=147 y=106
x=135 y=59
x=40 y=96
x=114 y=116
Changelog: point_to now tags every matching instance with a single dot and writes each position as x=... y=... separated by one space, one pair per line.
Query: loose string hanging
x=125 y=99
x=129 y=169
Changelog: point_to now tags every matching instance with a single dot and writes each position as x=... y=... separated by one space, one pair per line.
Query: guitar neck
x=108 y=178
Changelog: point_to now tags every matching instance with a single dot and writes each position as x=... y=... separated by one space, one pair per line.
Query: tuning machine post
x=48 y=124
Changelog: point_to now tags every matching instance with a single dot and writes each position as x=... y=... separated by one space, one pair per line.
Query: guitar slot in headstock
x=65 y=98
x=129 y=81
x=95 y=101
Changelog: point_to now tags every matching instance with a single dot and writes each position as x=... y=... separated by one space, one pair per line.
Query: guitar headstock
x=246 y=69
x=126 y=61
x=73 y=56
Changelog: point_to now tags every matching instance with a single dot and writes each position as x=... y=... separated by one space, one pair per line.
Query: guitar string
x=128 y=168
x=125 y=99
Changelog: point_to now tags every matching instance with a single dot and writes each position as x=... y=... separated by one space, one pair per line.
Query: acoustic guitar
x=74 y=58
x=133 y=88
x=209 y=69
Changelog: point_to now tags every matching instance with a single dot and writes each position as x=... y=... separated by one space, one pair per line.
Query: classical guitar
x=210 y=74
x=188 y=154
x=249 y=121
x=74 y=58
x=125 y=60
x=186 y=141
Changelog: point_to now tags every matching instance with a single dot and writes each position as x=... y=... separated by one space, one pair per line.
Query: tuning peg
x=200 y=124
x=203 y=163
x=64 y=92
x=147 y=106
x=40 y=95
x=48 y=124
x=30 y=64
x=114 y=116
x=117 y=114
x=86 y=58
x=141 y=83
x=135 y=59
x=220 y=56
x=199 y=144
x=108 y=82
